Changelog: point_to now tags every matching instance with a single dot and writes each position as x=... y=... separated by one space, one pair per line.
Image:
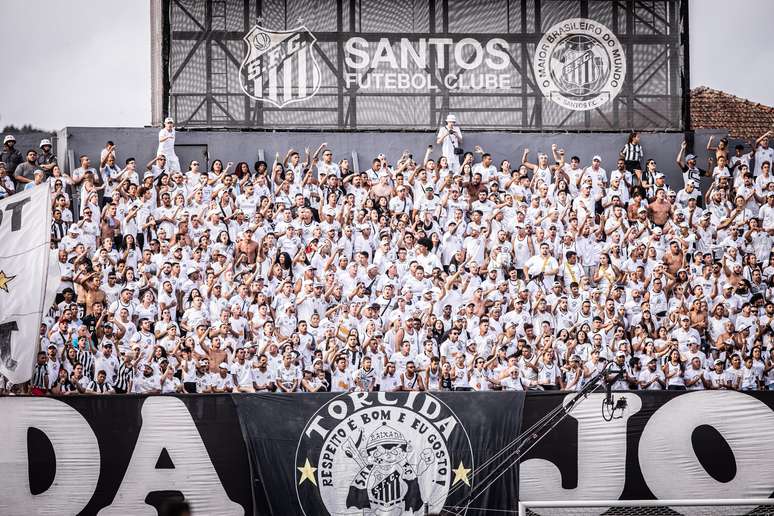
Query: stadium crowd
x=453 y=272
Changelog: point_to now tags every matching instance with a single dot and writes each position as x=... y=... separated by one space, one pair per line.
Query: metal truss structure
x=202 y=50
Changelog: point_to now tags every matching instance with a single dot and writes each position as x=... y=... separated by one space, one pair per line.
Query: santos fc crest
x=382 y=454
x=279 y=66
x=579 y=64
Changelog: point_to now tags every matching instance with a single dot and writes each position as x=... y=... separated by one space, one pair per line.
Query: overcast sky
x=87 y=62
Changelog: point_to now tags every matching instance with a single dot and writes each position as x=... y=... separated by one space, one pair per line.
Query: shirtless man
x=215 y=354
x=673 y=258
x=91 y=291
x=248 y=247
x=383 y=188
x=660 y=209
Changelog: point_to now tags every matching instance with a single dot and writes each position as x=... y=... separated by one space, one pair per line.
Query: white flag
x=25 y=237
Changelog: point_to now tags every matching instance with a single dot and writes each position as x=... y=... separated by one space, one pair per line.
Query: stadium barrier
x=359 y=453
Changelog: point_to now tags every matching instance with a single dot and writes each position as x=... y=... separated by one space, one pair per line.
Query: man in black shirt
x=10 y=156
x=691 y=173
x=47 y=159
x=93 y=321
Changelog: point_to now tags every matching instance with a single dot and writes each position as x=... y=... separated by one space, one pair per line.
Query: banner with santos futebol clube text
x=382 y=64
x=24 y=264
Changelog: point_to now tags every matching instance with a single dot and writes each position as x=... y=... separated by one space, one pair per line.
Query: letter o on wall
x=669 y=463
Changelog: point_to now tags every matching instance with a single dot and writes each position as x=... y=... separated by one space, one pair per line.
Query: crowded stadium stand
x=466 y=238
x=446 y=271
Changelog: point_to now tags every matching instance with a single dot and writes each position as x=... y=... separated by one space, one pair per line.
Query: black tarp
x=329 y=454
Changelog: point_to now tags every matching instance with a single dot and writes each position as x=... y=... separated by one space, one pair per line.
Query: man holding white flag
x=24 y=255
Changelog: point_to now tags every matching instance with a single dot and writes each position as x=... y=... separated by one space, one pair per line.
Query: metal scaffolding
x=202 y=50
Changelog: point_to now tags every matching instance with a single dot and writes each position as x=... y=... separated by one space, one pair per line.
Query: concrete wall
x=27 y=141
x=244 y=146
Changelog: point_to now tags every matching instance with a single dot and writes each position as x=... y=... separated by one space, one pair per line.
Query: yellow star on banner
x=460 y=474
x=307 y=473
x=4 y=280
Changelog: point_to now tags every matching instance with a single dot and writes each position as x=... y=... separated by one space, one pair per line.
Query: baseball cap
x=620 y=354
x=451 y=118
x=596 y=158
x=168 y=120
x=223 y=365
x=719 y=361
x=690 y=157
x=202 y=362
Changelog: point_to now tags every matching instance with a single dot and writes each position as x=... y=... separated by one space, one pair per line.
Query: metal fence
x=404 y=64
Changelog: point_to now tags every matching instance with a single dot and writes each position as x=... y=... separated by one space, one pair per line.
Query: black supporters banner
x=376 y=453
x=366 y=453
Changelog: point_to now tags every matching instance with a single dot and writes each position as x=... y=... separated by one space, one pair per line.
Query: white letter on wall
x=670 y=466
x=168 y=424
x=75 y=448
x=601 y=457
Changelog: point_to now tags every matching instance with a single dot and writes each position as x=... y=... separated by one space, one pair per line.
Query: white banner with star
x=24 y=255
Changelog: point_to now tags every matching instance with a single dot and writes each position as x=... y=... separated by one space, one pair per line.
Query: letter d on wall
x=75 y=447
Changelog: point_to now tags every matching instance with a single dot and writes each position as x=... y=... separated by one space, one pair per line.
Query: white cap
x=451 y=118
x=45 y=141
x=596 y=158
x=169 y=120
x=8 y=138
x=223 y=365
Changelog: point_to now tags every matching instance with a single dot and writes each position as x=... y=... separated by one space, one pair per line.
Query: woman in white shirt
x=478 y=376
x=750 y=379
x=674 y=369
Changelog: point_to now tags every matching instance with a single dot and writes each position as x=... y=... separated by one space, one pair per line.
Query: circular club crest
x=383 y=454
x=579 y=64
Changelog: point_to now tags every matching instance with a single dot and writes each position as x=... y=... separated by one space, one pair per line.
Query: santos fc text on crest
x=279 y=66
